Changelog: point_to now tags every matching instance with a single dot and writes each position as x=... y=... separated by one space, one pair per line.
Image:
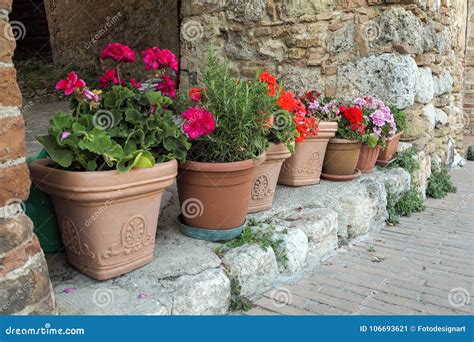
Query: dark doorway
x=30 y=28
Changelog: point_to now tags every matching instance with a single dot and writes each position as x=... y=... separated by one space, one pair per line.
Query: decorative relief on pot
x=261 y=187
x=286 y=168
x=134 y=236
x=72 y=240
x=312 y=165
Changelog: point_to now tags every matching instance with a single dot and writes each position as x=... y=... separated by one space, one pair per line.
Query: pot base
x=341 y=178
x=387 y=162
x=298 y=182
x=208 y=234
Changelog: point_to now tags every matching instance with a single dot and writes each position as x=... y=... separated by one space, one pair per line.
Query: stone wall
x=79 y=30
x=24 y=281
x=469 y=74
x=410 y=53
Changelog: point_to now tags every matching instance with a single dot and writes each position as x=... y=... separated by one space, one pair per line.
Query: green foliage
x=393 y=215
x=237 y=301
x=439 y=183
x=120 y=133
x=255 y=234
x=400 y=118
x=371 y=249
x=411 y=202
x=470 y=153
x=240 y=109
x=283 y=130
x=407 y=160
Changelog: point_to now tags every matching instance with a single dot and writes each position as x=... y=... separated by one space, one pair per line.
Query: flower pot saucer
x=341 y=178
x=208 y=234
x=385 y=163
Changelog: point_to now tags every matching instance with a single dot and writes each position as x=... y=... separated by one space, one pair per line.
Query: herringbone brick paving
x=423 y=266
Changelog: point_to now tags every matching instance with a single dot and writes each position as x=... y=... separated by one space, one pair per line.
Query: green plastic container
x=40 y=210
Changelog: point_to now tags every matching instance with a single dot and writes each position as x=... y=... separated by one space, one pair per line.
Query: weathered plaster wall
x=80 y=29
x=25 y=287
x=408 y=52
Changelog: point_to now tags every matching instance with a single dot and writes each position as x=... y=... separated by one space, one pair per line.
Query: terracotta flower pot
x=391 y=149
x=367 y=158
x=304 y=166
x=215 y=196
x=341 y=157
x=264 y=183
x=107 y=220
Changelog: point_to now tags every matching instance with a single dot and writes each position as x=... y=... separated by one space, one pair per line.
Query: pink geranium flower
x=135 y=83
x=90 y=95
x=70 y=83
x=118 y=52
x=109 y=76
x=154 y=58
x=198 y=122
x=167 y=86
x=65 y=134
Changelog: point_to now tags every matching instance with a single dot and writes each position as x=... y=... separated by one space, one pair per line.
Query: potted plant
x=388 y=154
x=343 y=151
x=109 y=163
x=304 y=166
x=227 y=121
x=379 y=126
x=281 y=137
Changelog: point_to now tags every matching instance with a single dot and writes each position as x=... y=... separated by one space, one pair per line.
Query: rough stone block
x=294 y=249
x=424 y=86
x=254 y=268
x=14 y=232
x=388 y=76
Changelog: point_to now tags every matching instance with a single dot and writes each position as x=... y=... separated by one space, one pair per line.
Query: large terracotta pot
x=391 y=149
x=107 y=219
x=304 y=166
x=265 y=182
x=341 y=157
x=215 y=196
x=367 y=158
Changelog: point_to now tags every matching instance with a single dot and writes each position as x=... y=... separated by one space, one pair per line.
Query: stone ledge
x=188 y=278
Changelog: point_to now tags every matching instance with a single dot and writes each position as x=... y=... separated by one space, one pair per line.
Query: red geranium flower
x=271 y=82
x=287 y=101
x=195 y=94
x=109 y=76
x=70 y=83
x=135 y=83
x=118 y=52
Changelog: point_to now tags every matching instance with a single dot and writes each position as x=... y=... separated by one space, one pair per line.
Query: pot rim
x=222 y=167
x=80 y=185
x=344 y=141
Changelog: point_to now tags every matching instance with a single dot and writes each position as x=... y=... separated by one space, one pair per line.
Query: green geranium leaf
x=372 y=140
x=60 y=155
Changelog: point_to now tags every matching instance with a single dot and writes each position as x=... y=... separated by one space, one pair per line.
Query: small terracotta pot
x=216 y=196
x=265 y=182
x=304 y=166
x=367 y=158
x=341 y=157
x=107 y=219
x=391 y=148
